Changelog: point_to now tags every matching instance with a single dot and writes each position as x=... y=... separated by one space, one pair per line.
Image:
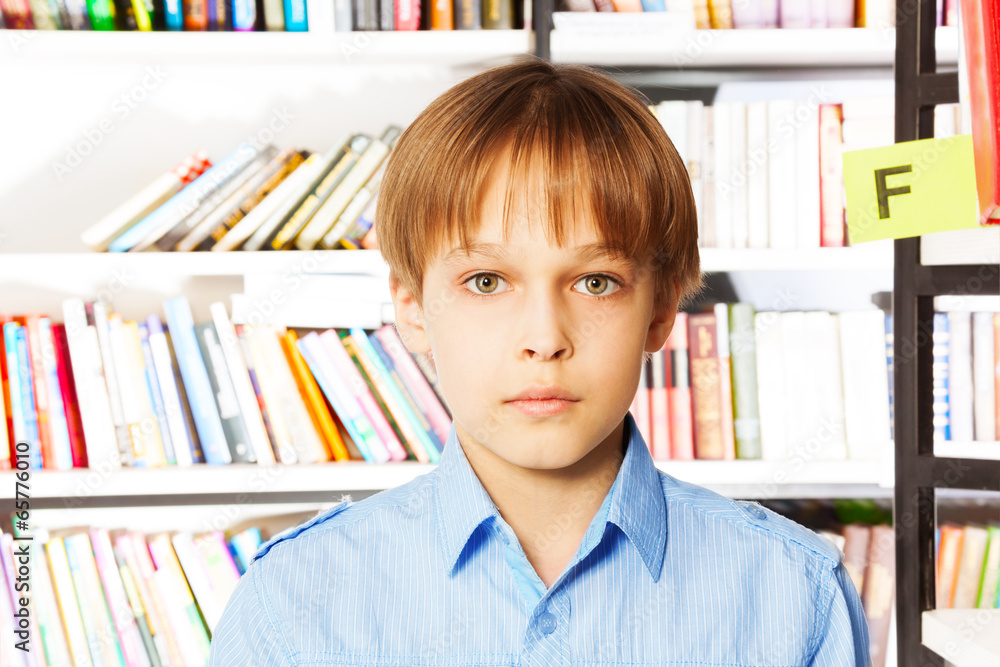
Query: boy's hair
x=593 y=140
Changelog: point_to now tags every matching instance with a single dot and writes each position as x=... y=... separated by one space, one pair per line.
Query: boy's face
x=520 y=318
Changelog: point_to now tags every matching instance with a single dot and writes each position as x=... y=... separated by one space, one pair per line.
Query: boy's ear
x=664 y=313
x=409 y=317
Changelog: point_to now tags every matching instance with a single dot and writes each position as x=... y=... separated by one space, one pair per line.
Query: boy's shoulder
x=349 y=512
x=767 y=523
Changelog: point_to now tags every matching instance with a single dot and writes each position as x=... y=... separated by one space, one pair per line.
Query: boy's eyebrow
x=497 y=252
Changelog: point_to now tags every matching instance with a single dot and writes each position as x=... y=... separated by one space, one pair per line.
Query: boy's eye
x=598 y=284
x=485 y=283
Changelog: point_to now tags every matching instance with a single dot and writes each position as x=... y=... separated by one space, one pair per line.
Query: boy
x=541 y=233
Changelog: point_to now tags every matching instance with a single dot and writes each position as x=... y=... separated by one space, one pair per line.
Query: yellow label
x=910 y=188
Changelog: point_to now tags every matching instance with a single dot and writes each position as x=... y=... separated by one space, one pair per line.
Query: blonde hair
x=593 y=140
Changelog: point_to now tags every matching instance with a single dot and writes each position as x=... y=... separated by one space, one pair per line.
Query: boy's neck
x=548 y=510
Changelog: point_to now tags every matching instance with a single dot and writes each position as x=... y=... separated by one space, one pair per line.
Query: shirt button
x=757 y=512
x=547 y=622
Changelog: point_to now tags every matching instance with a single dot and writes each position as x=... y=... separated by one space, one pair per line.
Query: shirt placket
x=546 y=639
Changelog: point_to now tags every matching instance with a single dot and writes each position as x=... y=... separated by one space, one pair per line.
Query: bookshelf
x=925 y=470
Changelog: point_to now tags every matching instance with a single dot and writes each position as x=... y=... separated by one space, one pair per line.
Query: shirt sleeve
x=245 y=635
x=844 y=640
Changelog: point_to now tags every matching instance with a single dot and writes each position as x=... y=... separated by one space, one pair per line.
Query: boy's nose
x=545 y=330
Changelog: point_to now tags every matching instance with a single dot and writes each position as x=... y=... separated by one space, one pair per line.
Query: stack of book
x=725 y=14
x=968 y=566
x=122 y=598
x=146 y=15
x=966 y=349
x=101 y=391
x=734 y=384
x=255 y=198
x=769 y=174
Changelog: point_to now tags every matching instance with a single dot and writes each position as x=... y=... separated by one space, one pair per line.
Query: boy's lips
x=543 y=401
x=537 y=392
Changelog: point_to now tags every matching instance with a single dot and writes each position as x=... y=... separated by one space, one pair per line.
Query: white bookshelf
x=455 y=48
x=745 y=479
x=963 y=637
x=700 y=49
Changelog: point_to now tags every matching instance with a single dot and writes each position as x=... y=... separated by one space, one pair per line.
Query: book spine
x=743 y=356
x=174 y=15
x=468 y=15
x=101 y=637
x=242 y=386
x=343 y=16
x=224 y=394
x=156 y=448
x=173 y=407
x=679 y=392
x=659 y=413
x=356 y=384
x=131 y=548
x=244 y=15
x=984 y=376
x=7 y=428
x=219 y=565
x=91 y=389
x=720 y=14
x=194 y=571
x=781 y=169
x=807 y=185
x=415 y=381
x=960 y=395
x=442 y=16
x=725 y=381
x=342 y=399
x=139 y=613
x=131 y=405
x=989 y=587
x=111 y=374
x=407 y=14
x=268 y=385
x=248 y=358
x=178 y=604
x=295 y=16
x=399 y=406
x=156 y=393
x=36 y=366
x=499 y=14
x=831 y=177
x=133 y=651
x=54 y=645
x=62 y=451
x=314 y=398
x=18 y=427
x=68 y=604
x=196 y=382
x=274 y=15
x=418 y=411
x=68 y=395
x=101 y=14
x=705 y=386
x=35 y=457
x=308 y=176
x=195 y=15
x=941 y=406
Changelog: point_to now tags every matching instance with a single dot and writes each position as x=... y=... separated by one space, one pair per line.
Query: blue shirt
x=428 y=573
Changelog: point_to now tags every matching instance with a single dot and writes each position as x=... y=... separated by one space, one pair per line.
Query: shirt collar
x=635 y=504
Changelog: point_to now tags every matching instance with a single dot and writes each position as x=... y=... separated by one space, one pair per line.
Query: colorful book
x=123 y=435
x=989 y=587
x=153 y=388
x=659 y=414
x=68 y=396
x=196 y=382
x=970 y=567
x=948 y=560
x=941 y=378
x=35 y=454
x=173 y=408
x=124 y=623
x=40 y=389
x=165 y=560
x=224 y=394
x=743 y=363
x=706 y=391
x=97 y=624
x=131 y=550
x=266 y=386
x=679 y=392
x=66 y=597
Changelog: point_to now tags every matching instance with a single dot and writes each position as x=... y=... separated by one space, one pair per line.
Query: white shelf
x=78 y=267
x=744 y=479
x=454 y=47
x=700 y=49
x=866 y=256
x=963 y=637
x=984 y=450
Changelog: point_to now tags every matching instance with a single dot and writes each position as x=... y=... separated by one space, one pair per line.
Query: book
x=960 y=395
x=178 y=602
x=91 y=390
x=781 y=173
x=39 y=384
x=219 y=565
x=989 y=586
x=720 y=233
x=831 y=177
x=195 y=15
x=338 y=161
x=408 y=14
x=193 y=570
x=97 y=624
x=706 y=396
x=147 y=231
x=347 y=407
x=499 y=14
x=823 y=434
x=173 y=408
x=941 y=405
x=243 y=388
x=970 y=567
x=296 y=19
x=140 y=435
x=720 y=14
x=226 y=403
x=442 y=16
x=28 y=409
x=759 y=145
x=55 y=648
x=358 y=217
x=856 y=539
x=154 y=390
x=980 y=27
x=659 y=414
x=743 y=357
x=314 y=398
x=805 y=124
x=948 y=560
x=469 y=15
x=879 y=590
x=984 y=376
x=267 y=387
x=158 y=448
x=59 y=427
x=679 y=391
x=196 y=381
x=101 y=14
x=129 y=639
x=739 y=195
x=725 y=380
x=131 y=550
x=68 y=395
x=865 y=382
x=249 y=359
x=774 y=436
x=274 y=15
x=66 y=597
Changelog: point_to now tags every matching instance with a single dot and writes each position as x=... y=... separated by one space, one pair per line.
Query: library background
x=181 y=405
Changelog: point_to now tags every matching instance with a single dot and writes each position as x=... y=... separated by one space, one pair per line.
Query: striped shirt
x=668 y=573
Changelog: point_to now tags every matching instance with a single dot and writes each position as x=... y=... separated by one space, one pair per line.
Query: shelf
x=963 y=637
x=455 y=47
x=743 y=479
x=702 y=49
x=55 y=268
x=872 y=256
x=987 y=451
